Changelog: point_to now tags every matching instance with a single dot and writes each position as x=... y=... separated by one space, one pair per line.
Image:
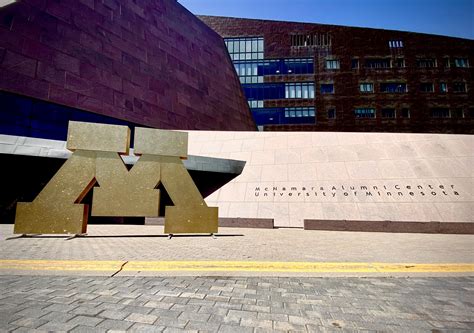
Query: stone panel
x=151 y=63
x=290 y=186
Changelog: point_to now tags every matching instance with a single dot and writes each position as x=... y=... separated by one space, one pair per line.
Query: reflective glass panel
x=298 y=91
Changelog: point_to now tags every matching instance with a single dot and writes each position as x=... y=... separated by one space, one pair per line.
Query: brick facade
x=149 y=62
x=349 y=43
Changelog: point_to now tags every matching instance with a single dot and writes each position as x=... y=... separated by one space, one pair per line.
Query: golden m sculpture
x=121 y=192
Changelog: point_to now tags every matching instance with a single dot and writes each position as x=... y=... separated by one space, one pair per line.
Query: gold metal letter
x=190 y=213
x=123 y=192
x=56 y=210
x=96 y=159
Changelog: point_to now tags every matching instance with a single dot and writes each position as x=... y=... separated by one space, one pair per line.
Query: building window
x=400 y=62
x=254 y=71
x=459 y=87
x=300 y=112
x=440 y=113
x=31 y=117
x=245 y=48
x=331 y=113
x=332 y=64
x=388 y=113
x=426 y=87
x=287 y=66
x=443 y=87
x=327 y=88
x=457 y=113
x=311 y=40
x=268 y=116
x=364 y=113
x=395 y=44
x=355 y=63
x=367 y=87
x=378 y=63
x=248 y=71
x=461 y=62
x=264 y=91
x=446 y=62
x=394 y=87
x=255 y=104
x=299 y=66
x=299 y=90
x=405 y=113
x=426 y=63
x=278 y=116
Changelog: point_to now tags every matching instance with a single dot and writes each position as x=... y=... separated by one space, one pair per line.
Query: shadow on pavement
x=66 y=237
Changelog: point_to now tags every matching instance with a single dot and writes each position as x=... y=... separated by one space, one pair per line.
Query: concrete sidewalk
x=148 y=250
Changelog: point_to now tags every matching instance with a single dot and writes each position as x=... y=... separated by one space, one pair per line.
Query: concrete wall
x=150 y=62
x=430 y=177
x=328 y=160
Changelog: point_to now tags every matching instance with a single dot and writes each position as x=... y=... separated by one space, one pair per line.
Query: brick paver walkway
x=244 y=304
x=166 y=302
x=129 y=242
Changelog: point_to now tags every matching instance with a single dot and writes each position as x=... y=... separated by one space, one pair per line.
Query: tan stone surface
x=314 y=160
x=321 y=159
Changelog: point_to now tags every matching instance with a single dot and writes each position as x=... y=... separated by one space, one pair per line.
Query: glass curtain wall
x=247 y=54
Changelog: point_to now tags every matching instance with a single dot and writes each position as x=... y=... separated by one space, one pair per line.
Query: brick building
x=313 y=77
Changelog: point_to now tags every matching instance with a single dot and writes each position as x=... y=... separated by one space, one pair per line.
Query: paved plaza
x=118 y=278
x=238 y=304
x=148 y=243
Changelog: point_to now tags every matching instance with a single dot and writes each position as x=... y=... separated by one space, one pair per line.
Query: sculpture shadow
x=65 y=237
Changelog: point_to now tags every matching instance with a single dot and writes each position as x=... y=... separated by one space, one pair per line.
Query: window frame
x=333 y=110
x=299 y=112
x=424 y=85
x=363 y=84
x=408 y=113
x=395 y=44
x=465 y=61
x=380 y=60
x=374 y=113
x=445 y=85
x=357 y=60
x=435 y=113
x=306 y=88
x=327 y=84
x=384 y=110
x=396 y=91
x=238 y=47
x=460 y=84
x=332 y=61
x=425 y=61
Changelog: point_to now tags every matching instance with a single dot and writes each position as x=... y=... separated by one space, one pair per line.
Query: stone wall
x=149 y=62
x=290 y=177
x=343 y=176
